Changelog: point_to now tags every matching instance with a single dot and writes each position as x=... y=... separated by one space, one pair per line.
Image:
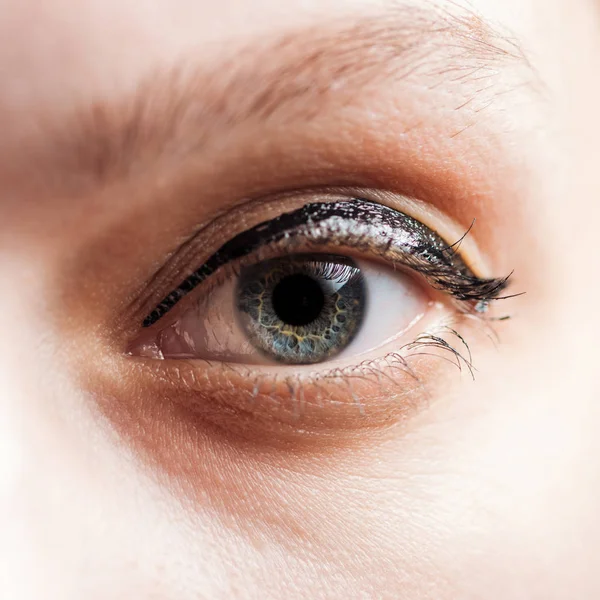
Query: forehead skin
x=492 y=495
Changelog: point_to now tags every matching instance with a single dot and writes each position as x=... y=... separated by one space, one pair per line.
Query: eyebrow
x=176 y=110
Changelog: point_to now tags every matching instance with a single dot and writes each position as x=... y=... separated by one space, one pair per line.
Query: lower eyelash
x=434 y=340
x=399 y=360
x=388 y=373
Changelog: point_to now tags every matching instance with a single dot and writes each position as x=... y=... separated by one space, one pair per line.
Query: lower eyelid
x=307 y=403
x=273 y=407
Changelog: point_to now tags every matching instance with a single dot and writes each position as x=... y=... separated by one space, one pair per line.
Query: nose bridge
x=18 y=493
x=64 y=486
x=32 y=442
x=21 y=496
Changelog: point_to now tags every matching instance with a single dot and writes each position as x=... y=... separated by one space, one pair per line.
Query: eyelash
x=439 y=263
x=321 y=387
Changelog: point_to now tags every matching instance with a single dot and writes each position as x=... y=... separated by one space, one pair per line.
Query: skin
x=109 y=489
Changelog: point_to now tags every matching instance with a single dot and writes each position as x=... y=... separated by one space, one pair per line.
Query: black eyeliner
x=402 y=239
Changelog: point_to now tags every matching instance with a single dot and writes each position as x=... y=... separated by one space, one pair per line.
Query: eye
x=297 y=309
x=328 y=281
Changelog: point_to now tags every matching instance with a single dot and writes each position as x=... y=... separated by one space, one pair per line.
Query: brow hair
x=176 y=109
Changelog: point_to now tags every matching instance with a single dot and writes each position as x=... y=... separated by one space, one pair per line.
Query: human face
x=139 y=138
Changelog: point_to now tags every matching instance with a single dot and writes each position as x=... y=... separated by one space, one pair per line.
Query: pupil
x=298 y=299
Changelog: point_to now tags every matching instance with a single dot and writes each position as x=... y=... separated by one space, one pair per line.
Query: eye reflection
x=302 y=309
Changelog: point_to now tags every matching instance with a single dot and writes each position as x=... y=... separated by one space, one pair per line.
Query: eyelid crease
x=407 y=242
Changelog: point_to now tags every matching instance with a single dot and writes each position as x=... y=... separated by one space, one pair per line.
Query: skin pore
x=129 y=129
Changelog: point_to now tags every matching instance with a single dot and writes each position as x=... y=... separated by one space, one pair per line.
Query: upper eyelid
x=438 y=269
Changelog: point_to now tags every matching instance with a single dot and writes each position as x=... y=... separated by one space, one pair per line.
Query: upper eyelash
x=407 y=242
